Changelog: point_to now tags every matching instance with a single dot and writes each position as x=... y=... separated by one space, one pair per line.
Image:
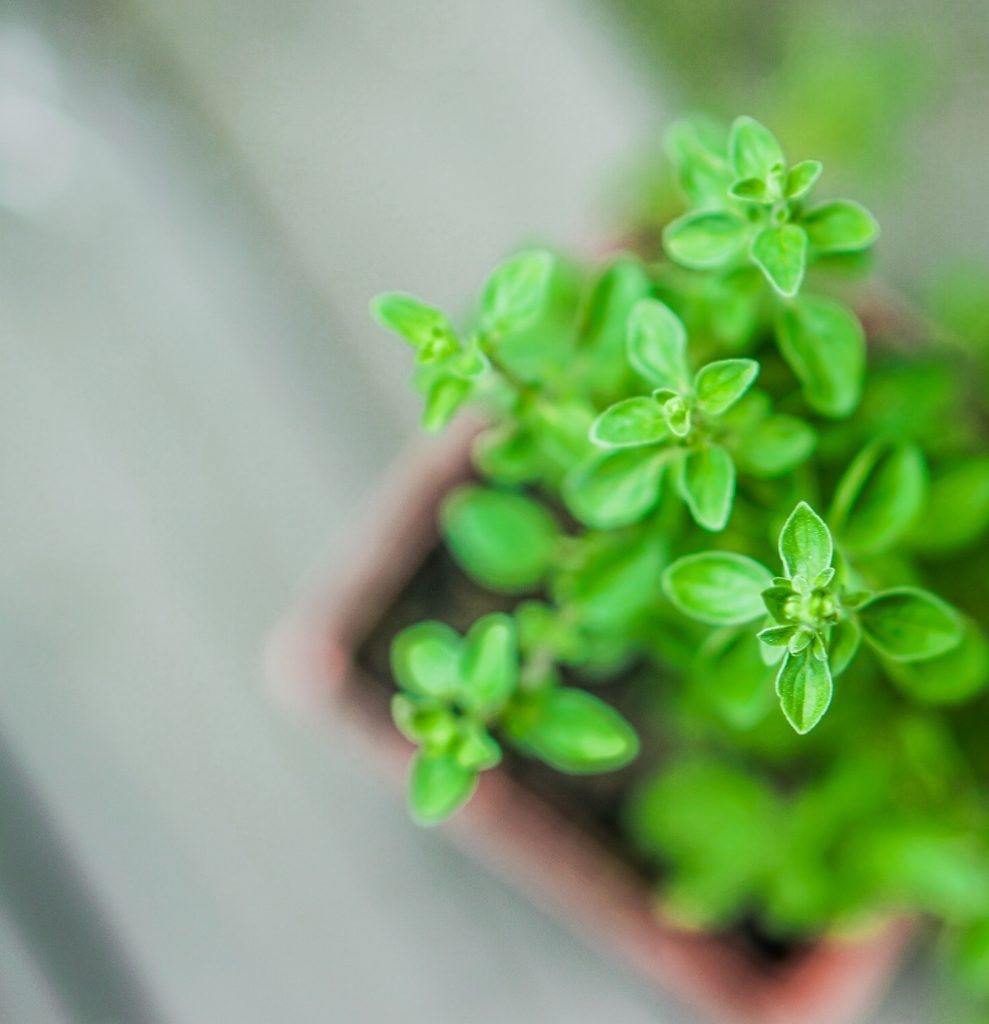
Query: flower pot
x=313 y=658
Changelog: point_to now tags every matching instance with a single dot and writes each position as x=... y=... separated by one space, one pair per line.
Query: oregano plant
x=725 y=537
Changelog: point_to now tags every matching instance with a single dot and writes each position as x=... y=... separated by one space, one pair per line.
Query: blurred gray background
x=197 y=200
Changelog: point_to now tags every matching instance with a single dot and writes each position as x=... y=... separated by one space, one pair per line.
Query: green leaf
x=775 y=599
x=507 y=454
x=614 y=488
x=706 y=482
x=469 y=363
x=909 y=624
x=846 y=637
x=781 y=254
x=633 y=421
x=732 y=678
x=733 y=304
x=957 y=511
x=489 y=662
x=575 y=732
x=676 y=412
x=805 y=543
x=604 y=331
x=424 y=660
x=928 y=865
x=721 y=384
x=711 y=825
x=879 y=497
x=657 y=344
x=699 y=152
x=752 y=190
x=438 y=787
x=701 y=241
x=445 y=396
x=717 y=587
x=503 y=540
x=613 y=579
x=424 y=722
x=753 y=149
x=840 y=226
x=802 y=178
x=515 y=294
x=824 y=344
x=561 y=430
x=775 y=446
x=777 y=636
x=804 y=689
x=951 y=678
x=476 y=750
x=425 y=328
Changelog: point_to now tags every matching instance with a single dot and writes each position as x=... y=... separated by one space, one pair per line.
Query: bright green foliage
x=761 y=218
x=683 y=414
x=514 y=294
x=824 y=344
x=717 y=587
x=815 y=623
x=573 y=731
x=907 y=624
x=503 y=539
x=701 y=510
x=780 y=252
x=455 y=691
x=615 y=488
x=674 y=816
x=879 y=497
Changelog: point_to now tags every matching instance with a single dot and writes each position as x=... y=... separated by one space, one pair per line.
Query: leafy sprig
x=750 y=208
x=755 y=209
x=453 y=368
x=817 y=622
x=686 y=415
x=456 y=691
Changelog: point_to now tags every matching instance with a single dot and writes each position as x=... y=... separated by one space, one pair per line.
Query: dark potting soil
x=440 y=590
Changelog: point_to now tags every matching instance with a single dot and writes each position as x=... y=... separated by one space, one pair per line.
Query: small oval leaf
x=614 y=488
x=576 y=732
x=722 y=383
x=909 y=624
x=840 y=226
x=718 y=587
x=880 y=497
x=825 y=347
x=631 y=422
x=424 y=659
x=503 y=540
x=950 y=678
x=489 y=662
x=802 y=178
x=706 y=481
x=806 y=547
x=515 y=293
x=657 y=344
x=753 y=148
x=701 y=241
x=775 y=446
x=804 y=688
x=438 y=787
x=424 y=327
x=781 y=254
